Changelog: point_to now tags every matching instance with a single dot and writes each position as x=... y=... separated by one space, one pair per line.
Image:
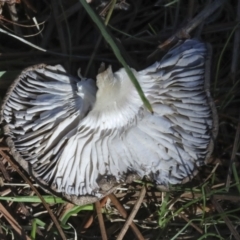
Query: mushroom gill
x=73 y=136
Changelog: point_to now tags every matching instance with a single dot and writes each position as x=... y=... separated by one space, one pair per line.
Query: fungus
x=80 y=140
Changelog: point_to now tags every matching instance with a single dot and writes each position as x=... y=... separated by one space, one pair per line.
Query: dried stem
x=100 y=220
x=236 y=47
x=234 y=151
x=224 y=216
x=37 y=193
x=87 y=222
x=132 y=214
x=13 y=223
x=185 y=31
x=123 y=212
x=191 y=223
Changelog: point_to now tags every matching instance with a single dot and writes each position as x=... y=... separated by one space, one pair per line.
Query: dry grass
x=207 y=207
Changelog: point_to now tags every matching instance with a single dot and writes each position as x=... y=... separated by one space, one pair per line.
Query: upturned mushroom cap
x=81 y=141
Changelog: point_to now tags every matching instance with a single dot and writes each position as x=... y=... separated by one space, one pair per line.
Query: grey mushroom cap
x=80 y=139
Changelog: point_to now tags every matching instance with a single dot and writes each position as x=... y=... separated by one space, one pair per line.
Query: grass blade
x=117 y=53
x=34 y=199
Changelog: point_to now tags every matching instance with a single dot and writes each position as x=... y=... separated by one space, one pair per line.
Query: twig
x=191 y=7
x=212 y=172
x=37 y=193
x=100 y=220
x=236 y=47
x=62 y=35
x=111 y=6
x=177 y=9
x=234 y=151
x=56 y=53
x=88 y=220
x=233 y=198
x=191 y=223
x=185 y=31
x=123 y=212
x=13 y=222
x=4 y=171
x=203 y=15
x=132 y=214
x=4 y=148
x=29 y=5
x=225 y=218
x=14 y=17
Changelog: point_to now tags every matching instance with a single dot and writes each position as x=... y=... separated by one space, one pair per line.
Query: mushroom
x=80 y=140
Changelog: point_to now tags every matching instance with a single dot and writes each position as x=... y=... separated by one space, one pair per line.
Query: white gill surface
x=73 y=133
